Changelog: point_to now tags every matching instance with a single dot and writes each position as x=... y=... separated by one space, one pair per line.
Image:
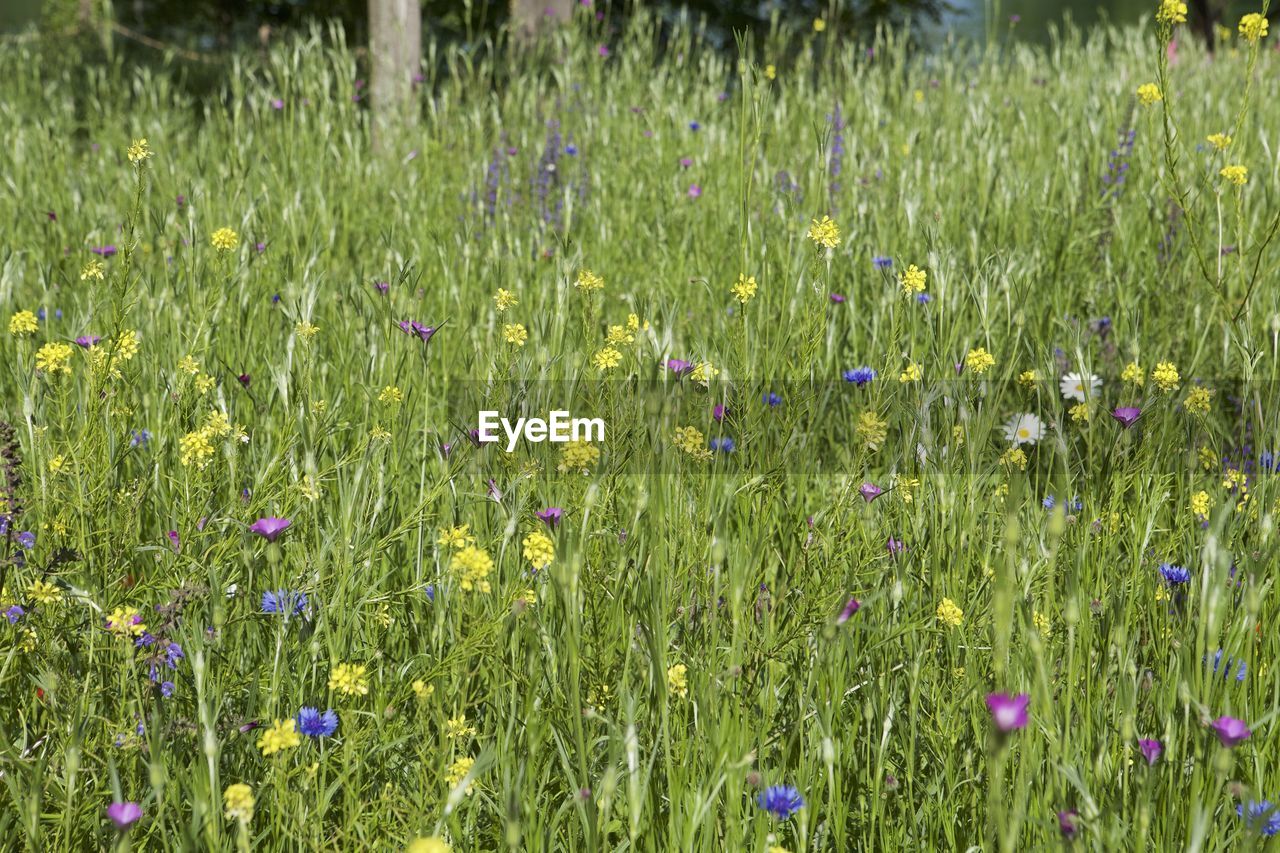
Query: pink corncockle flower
x=1009 y=713
x=124 y=815
x=1230 y=730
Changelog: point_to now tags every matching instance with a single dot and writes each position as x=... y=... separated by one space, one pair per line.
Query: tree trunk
x=395 y=58
x=532 y=18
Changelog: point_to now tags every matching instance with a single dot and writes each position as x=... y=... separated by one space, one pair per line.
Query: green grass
x=983 y=168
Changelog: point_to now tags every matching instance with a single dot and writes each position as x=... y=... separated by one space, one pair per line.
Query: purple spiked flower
x=270 y=528
x=894 y=547
x=1009 y=713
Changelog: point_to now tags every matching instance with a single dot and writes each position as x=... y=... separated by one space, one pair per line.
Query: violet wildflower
x=723 y=445
x=139 y=438
x=881 y=263
x=124 y=815
x=550 y=516
x=1067 y=825
x=285 y=602
x=894 y=547
x=413 y=327
x=1127 y=416
x=859 y=376
x=772 y=400
x=870 y=491
x=14 y=613
x=1151 y=749
x=270 y=528
x=851 y=607
x=1009 y=713
x=694 y=191
x=1230 y=731
x=679 y=366
x=87 y=341
x=837 y=298
x=1174 y=575
x=103 y=251
x=718 y=413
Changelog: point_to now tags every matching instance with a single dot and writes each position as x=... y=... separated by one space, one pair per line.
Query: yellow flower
x=1238 y=175
x=1200 y=504
x=23 y=324
x=309 y=488
x=770 y=72
x=1253 y=26
x=1218 y=140
x=95 y=270
x=950 y=614
x=224 y=239
x=349 y=679
x=905 y=487
x=588 y=281
x=1172 y=12
x=56 y=463
x=1014 y=457
x=281 y=736
x=1165 y=376
x=43 y=592
x=872 y=430
x=194 y=448
x=539 y=550
x=433 y=844
x=204 y=384
x=126 y=623
x=457 y=727
x=458 y=771
x=1042 y=623
x=1208 y=459
x=745 y=288
x=919 y=96
x=607 y=358
x=189 y=365
x=911 y=374
x=1133 y=374
x=390 y=396
x=238 y=802
x=704 y=372
x=825 y=233
x=472 y=566
x=979 y=360
x=912 y=280
x=305 y=330
x=216 y=425
x=1197 y=401
x=515 y=334
x=691 y=441
x=422 y=691
x=139 y=151
x=677 y=680
x=1149 y=93
x=54 y=358
x=620 y=334
x=504 y=299
x=1028 y=378
x=1080 y=413
x=456 y=537
x=819 y=25
x=578 y=455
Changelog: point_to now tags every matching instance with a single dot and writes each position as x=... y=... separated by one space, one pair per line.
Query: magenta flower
x=695 y=191
x=550 y=516
x=1151 y=750
x=678 y=366
x=718 y=413
x=270 y=528
x=851 y=607
x=87 y=341
x=894 y=546
x=1230 y=730
x=1009 y=713
x=1067 y=823
x=837 y=298
x=870 y=491
x=1126 y=415
x=175 y=540
x=413 y=327
x=124 y=815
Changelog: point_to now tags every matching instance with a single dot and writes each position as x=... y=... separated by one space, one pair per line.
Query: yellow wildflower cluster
x=607 y=358
x=1236 y=175
x=281 y=736
x=1253 y=26
x=913 y=279
x=95 y=270
x=1149 y=93
x=1198 y=400
x=539 y=550
x=349 y=679
x=515 y=334
x=23 y=324
x=504 y=299
x=588 y=281
x=139 y=151
x=224 y=239
x=458 y=771
x=691 y=440
x=1133 y=374
x=950 y=614
x=872 y=430
x=578 y=455
x=472 y=566
x=979 y=360
x=744 y=290
x=1172 y=12
x=237 y=801
x=824 y=233
x=1165 y=375
x=456 y=537
x=54 y=358
x=105 y=360
x=125 y=622
x=678 y=680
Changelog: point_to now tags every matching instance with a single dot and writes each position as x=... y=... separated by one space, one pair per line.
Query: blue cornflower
x=312 y=723
x=724 y=445
x=694 y=126
x=772 y=399
x=430 y=590
x=1076 y=504
x=571 y=150
x=26 y=540
x=923 y=298
x=781 y=801
x=1174 y=575
x=14 y=613
x=859 y=376
x=139 y=438
x=880 y=262
x=1049 y=502
x=1262 y=817
x=1241 y=669
x=283 y=601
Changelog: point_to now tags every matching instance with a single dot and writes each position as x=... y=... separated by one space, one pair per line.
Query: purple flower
x=851 y=607
x=894 y=547
x=1126 y=415
x=175 y=540
x=1151 y=750
x=550 y=516
x=413 y=327
x=26 y=540
x=870 y=491
x=313 y=723
x=781 y=801
x=686 y=162
x=244 y=379
x=14 y=613
x=382 y=286
x=859 y=376
x=1009 y=713
x=87 y=341
x=695 y=191
x=881 y=263
x=1262 y=817
x=679 y=366
x=1067 y=823
x=277 y=104
x=270 y=528
x=837 y=298
x=1230 y=730
x=167 y=688
x=284 y=601
x=1174 y=575
x=718 y=413
x=104 y=251
x=124 y=815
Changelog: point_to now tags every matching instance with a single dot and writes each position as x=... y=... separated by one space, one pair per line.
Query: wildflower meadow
x=933 y=507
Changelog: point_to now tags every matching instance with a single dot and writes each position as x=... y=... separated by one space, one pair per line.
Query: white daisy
x=1025 y=428
x=1075 y=387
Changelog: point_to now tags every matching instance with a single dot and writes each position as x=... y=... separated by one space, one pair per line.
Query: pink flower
x=694 y=191
x=124 y=815
x=1230 y=730
x=1151 y=750
x=270 y=528
x=1009 y=713
x=851 y=607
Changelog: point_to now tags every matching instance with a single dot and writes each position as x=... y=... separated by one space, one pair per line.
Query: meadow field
x=937 y=503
